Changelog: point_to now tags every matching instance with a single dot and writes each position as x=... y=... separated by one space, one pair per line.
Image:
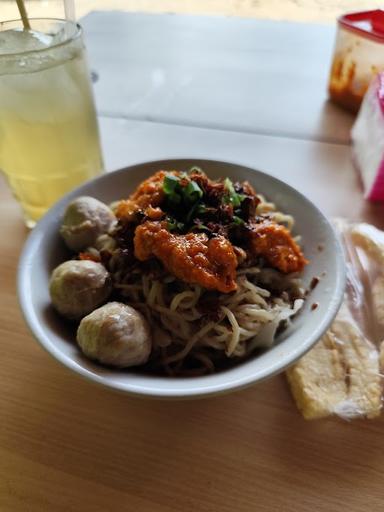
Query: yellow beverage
x=49 y=140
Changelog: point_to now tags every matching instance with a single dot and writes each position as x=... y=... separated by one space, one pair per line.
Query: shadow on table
x=335 y=121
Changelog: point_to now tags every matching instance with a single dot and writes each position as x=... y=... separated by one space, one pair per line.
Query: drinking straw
x=23 y=14
x=69 y=10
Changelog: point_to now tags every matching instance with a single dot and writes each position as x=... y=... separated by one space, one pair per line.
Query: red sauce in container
x=358 y=57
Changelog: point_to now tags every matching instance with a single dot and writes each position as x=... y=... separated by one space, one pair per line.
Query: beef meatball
x=78 y=287
x=116 y=335
x=84 y=220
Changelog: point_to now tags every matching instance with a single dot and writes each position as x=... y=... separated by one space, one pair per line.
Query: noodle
x=178 y=300
x=188 y=347
x=198 y=331
x=183 y=327
x=234 y=339
x=281 y=218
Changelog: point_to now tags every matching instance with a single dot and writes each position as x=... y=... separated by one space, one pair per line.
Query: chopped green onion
x=229 y=186
x=199 y=227
x=196 y=169
x=237 y=220
x=170 y=184
x=192 y=192
x=233 y=197
x=201 y=209
x=171 y=188
x=197 y=209
x=173 y=225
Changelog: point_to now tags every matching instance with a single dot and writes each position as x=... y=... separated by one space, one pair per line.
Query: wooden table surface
x=68 y=445
x=247 y=75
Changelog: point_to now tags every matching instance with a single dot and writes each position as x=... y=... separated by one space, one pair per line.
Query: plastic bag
x=341 y=374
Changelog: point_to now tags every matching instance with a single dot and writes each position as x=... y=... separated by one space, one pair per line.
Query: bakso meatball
x=77 y=287
x=84 y=220
x=116 y=335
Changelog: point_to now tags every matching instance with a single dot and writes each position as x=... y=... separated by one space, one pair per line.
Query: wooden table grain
x=68 y=445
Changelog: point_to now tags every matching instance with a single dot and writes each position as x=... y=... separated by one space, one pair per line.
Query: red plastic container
x=358 y=57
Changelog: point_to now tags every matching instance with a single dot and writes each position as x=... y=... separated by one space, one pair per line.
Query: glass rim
x=76 y=35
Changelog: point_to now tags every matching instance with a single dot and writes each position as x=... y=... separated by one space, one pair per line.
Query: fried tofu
x=378 y=300
x=340 y=375
x=370 y=239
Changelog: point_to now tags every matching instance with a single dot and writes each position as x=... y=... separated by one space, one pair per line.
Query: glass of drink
x=49 y=138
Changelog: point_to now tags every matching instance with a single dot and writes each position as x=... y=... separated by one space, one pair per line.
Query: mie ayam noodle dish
x=186 y=276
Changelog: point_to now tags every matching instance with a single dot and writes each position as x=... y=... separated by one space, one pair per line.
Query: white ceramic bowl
x=44 y=250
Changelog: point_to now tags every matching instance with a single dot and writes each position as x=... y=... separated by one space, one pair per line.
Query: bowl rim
x=189 y=390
